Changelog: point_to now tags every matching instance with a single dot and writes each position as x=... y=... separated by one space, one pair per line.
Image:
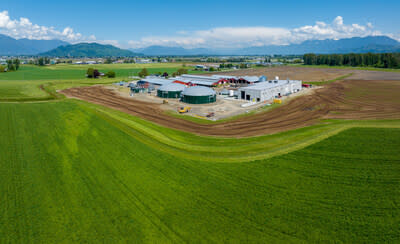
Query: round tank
x=198 y=95
x=172 y=90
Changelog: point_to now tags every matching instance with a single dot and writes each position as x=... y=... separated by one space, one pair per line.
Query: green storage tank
x=199 y=95
x=172 y=90
x=138 y=90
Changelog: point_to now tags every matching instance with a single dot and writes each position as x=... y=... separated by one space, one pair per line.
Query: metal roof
x=157 y=81
x=198 y=91
x=205 y=81
x=198 y=77
x=172 y=87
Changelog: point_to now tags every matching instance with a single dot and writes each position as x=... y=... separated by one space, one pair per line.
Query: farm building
x=172 y=90
x=239 y=79
x=198 y=80
x=209 y=81
x=199 y=95
x=156 y=81
x=269 y=89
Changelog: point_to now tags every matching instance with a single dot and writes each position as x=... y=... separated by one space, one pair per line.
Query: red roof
x=180 y=82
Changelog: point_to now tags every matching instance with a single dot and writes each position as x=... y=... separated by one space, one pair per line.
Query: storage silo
x=171 y=90
x=199 y=95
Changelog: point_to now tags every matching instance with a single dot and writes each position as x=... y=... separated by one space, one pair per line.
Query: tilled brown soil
x=350 y=99
x=295 y=73
x=313 y=74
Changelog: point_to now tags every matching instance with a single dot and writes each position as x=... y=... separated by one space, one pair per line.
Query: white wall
x=270 y=93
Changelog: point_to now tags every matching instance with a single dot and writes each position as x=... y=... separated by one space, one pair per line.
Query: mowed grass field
x=75 y=172
x=38 y=83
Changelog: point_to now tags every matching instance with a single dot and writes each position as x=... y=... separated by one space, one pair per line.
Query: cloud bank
x=221 y=37
x=24 y=28
x=238 y=37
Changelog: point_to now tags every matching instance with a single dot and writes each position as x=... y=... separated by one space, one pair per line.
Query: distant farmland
x=25 y=84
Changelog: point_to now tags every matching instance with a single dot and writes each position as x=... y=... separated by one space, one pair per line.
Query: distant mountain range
x=56 y=48
x=375 y=44
x=11 y=46
x=89 y=50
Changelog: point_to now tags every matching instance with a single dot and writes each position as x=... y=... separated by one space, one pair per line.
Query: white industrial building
x=267 y=90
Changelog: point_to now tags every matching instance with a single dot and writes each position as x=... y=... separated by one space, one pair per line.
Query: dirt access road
x=348 y=99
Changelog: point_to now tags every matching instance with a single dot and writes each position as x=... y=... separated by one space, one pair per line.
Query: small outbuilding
x=171 y=90
x=199 y=95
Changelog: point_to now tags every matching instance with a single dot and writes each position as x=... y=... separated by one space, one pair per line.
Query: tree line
x=12 y=65
x=94 y=73
x=378 y=60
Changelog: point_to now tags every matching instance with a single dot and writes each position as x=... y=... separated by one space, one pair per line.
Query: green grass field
x=25 y=84
x=72 y=171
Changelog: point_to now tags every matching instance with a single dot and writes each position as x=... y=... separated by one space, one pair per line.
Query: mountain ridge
x=355 y=44
x=11 y=46
x=82 y=50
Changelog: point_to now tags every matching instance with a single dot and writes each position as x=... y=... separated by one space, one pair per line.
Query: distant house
x=91 y=62
x=200 y=66
x=143 y=61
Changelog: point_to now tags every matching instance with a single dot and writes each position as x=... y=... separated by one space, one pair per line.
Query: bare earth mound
x=350 y=99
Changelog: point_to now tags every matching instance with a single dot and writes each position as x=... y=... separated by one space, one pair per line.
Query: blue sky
x=197 y=23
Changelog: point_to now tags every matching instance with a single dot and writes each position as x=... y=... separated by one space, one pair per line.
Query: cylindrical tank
x=199 y=95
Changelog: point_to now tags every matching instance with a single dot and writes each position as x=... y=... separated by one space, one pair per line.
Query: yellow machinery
x=165 y=101
x=184 y=109
x=277 y=101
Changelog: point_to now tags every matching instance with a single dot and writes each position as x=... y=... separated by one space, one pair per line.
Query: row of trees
x=94 y=73
x=12 y=65
x=379 y=60
x=144 y=72
x=229 y=66
x=42 y=61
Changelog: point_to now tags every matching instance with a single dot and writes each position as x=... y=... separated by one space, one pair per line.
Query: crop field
x=72 y=171
x=25 y=84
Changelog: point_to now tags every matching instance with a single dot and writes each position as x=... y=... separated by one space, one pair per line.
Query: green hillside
x=88 y=50
x=75 y=172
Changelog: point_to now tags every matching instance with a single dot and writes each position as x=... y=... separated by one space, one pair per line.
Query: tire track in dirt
x=336 y=100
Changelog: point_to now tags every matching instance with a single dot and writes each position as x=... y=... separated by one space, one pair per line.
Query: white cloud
x=234 y=37
x=24 y=28
x=220 y=37
x=336 y=30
